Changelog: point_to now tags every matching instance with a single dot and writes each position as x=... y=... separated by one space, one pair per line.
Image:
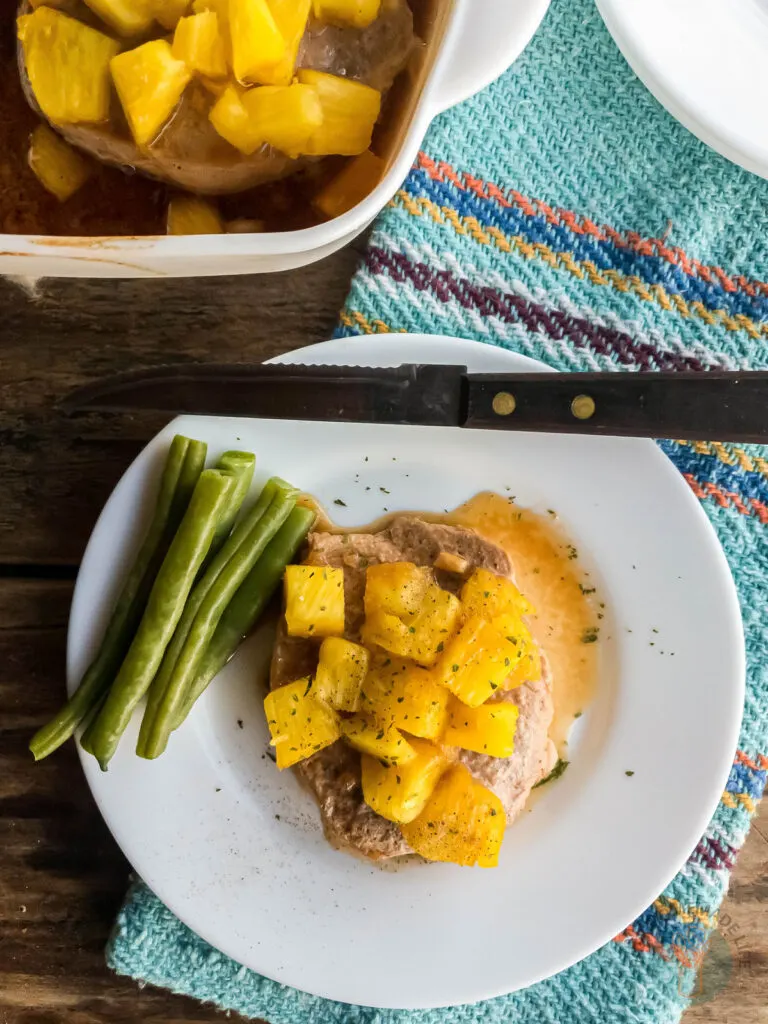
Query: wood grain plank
x=62 y=877
x=73 y=332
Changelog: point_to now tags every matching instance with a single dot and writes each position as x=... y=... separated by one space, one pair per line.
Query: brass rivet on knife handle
x=504 y=404
x=583 y=407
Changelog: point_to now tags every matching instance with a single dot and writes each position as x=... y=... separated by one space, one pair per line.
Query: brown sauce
x=546 y=568
x=115 y=202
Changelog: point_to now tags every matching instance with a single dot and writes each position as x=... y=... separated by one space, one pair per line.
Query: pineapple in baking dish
x=314 y=600
x=198 y=41
x=283 y=116
x=149 y=82
x=300 y=724
x=67 y=65
x=291 y=17
x=399 y=792
x=358 y=13
x=396 y=588
x=57 y=166
x=340 y=673
x=489 y=729
x=476 y=662
x=350 y=111
x=397 y=692
x=384 y=742
x=231 y=120
x=462 y=822
x=192 y=215
x=350 y=186
x=257 y=43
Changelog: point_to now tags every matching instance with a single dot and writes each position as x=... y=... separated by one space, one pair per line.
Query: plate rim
x=729 y=595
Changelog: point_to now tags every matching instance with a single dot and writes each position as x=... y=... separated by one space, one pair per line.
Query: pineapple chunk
x=434 y=625
x=126 y=17
x=340 y=673
x=68 y=66
x=314 y=600
x=476 y=662
x=350 y=111
x=489 y=729
x=359 y=13
x=399 y=792
x=284 y=116
x=527 y=669
x=490 y=596
x=257 y=44
x=389 y=632
x=291 y=17
x=149 y=82
x=395 y=588
x=168 y=12
x=299 y=723
x=462 y=822
x=230 y=119
x=57 y=166
x=407 y=696
x=219 y=7
x=342 y=193
x=198 y=42
x=385 y=743
x=191 y=215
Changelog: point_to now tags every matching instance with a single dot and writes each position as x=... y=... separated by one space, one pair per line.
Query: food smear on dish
x=269 y=108
x=409 y=687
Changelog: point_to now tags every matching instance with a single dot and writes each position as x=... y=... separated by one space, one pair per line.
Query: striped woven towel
x=562 y=213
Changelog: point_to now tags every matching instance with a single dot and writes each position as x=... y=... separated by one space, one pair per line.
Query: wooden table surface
x=61 y=875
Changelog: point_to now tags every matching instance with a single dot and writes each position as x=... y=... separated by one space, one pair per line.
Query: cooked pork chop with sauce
x=334 y=774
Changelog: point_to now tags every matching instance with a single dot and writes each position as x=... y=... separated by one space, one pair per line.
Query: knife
x=710 y=405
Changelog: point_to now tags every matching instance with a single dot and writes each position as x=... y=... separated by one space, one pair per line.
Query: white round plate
x=705 y=61
x=234 y=848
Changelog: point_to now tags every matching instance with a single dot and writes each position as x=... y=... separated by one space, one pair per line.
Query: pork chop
x=334 y=774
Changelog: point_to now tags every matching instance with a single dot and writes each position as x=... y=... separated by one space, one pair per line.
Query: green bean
x=196 y=598
x=241 y=466
x=252 y=597
x=158 y=729
x=164 y=607
x=172 y=498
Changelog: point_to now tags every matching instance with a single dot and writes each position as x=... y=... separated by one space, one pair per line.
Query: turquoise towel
x=562 y=213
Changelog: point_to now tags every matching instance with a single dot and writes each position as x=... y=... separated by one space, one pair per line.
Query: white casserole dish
x=469 y=44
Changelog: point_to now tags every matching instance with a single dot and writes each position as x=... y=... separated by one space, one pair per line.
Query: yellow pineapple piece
x=359 y=13
x=57 y=166
x=407 y=696
x=219 y=7
x=299 y=723
x=257 y=44
x=314 y=600
x=350 y=187
x=526 y=670
x=434 y=625
x=476 y=662
x=399 y=792
x=489 y=596
x=149 y=82
x=340 y=673
x=291 y=17
x=384 y=742
x=67 y=64
x=169 y=12
x=389 y=632
x=230 y=119
x=199 y=43
x=395 y=588
x=284 y=116
x=126 y=17
x=489 y=729
x=350 y=111
x=462 y=822
x=191 y=215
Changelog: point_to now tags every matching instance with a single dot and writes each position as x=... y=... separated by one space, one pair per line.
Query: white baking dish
x=469 y=44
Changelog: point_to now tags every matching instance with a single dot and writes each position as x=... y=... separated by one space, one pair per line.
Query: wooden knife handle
x=707 y=406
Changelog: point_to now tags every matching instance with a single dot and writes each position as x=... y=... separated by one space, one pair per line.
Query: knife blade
x=712 y=405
